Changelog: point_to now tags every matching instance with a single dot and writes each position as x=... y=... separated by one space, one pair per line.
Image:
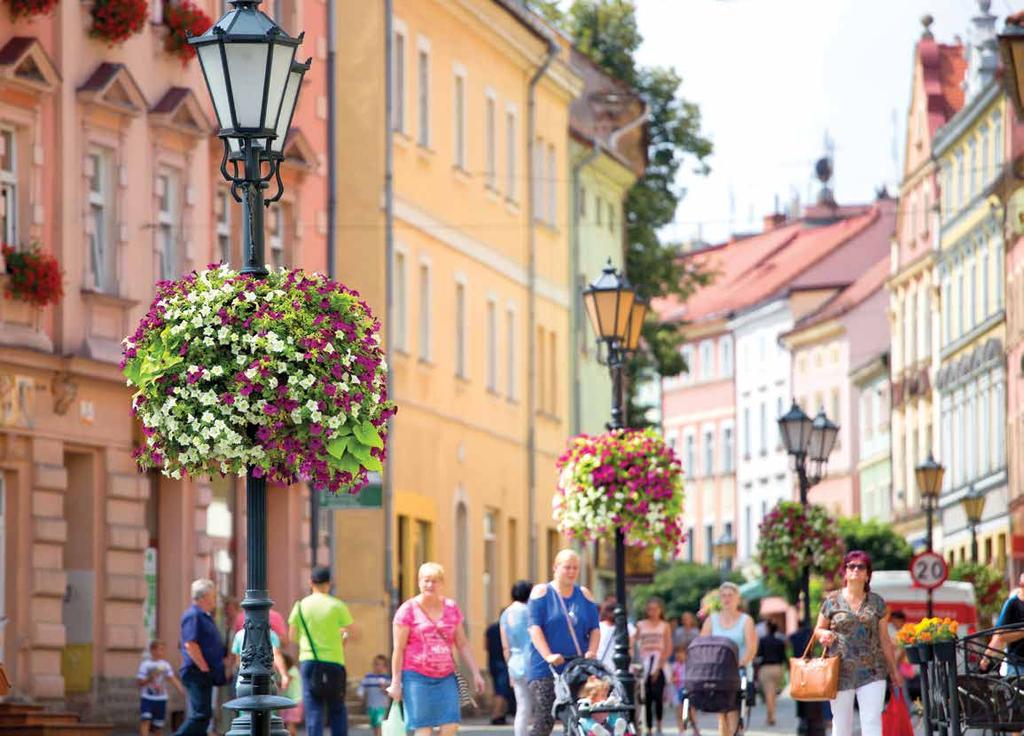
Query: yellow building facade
x=970 y=385
x=475 y=298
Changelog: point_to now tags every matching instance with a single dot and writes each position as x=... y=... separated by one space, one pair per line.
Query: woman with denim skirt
x=427 y=632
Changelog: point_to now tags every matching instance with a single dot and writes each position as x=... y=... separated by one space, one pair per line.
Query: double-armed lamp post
x=249 y=66
x=929 y=476
x=617 y=315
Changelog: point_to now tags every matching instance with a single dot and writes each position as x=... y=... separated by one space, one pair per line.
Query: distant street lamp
x=617 y=316
x=248 y=62
x=725 y=551
x=974 y=508
x=929 y=476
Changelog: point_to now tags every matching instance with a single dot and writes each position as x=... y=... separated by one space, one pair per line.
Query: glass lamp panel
x=795 y=428
x=624 y=312
x=210 y=59
x=636 y=324
x=974 y=506
x=281 y=57
x=284 y=120
x=929 y=477
x=606 y=306
x=590 y=302
x=247 y=69
x=824 y=433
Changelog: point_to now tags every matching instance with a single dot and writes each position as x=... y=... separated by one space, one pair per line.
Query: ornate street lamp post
x=249 y=66
x=809 y=442
x=974 y=508
x=929 y=484
x=725 y=551
x=617 y=316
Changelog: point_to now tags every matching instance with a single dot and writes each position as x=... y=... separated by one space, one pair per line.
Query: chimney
x=774 y=220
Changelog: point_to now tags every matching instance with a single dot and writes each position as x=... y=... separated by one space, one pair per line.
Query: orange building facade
x=109 y=161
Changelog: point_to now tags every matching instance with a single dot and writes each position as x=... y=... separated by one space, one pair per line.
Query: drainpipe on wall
x=531 y=310
x=578 y=326
x=387 y=487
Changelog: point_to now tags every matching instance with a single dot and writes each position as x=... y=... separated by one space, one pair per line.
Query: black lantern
x=725 y=550
x=246 y=60
x=929 y=478
x=824 y=433
x=609 y=302
x=637 y=315
x=795 y=428
x=1011 y=47
x=291 y=96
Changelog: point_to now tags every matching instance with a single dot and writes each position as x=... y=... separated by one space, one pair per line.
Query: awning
x=754 y=590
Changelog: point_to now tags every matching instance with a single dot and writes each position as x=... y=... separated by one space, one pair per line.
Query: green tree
x=888 y=550
x=606 y=30
x=681 y=585
x=988 y=585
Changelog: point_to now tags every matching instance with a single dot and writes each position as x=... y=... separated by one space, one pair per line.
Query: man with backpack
x=320 y=623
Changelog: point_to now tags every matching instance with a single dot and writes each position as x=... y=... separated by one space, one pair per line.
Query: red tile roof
x=865 y=286
x=801 y=254
x=943 y=67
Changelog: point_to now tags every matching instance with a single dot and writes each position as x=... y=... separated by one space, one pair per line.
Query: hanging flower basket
x=625 y=479
x=115 y=21
x=182 y=19
x=283 y=374
x=35 y=276
x=793 y=537
x=23 y=9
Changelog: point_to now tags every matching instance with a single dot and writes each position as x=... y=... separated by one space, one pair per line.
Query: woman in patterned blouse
x=853 y=624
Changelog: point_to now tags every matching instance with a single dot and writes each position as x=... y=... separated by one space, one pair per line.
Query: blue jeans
x=337 y=713
x=199 y=688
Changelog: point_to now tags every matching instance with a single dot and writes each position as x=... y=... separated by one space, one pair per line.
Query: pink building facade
x=110 y=163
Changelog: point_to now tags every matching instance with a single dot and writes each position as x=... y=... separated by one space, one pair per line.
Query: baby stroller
x=714 y=681
x=567 y=686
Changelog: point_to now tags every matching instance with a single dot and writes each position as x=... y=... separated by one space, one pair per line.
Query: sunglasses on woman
x=856 y=566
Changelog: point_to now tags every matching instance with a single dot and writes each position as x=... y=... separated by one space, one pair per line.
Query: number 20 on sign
x=928 y=570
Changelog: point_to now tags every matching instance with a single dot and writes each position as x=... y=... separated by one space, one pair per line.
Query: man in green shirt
x=320 y=622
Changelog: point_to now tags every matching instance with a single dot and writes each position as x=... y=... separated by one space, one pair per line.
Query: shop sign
x=369 y=497
x=149 y=604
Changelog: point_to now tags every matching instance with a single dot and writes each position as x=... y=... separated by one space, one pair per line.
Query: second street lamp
x=617 y=317
x=249 y=66
x=929 y=484
x=974 y=508
x=725 y=551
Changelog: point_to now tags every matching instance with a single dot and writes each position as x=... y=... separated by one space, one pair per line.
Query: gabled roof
x=298 y=151
x=866 y=285
x=112 y=86
x=942 y=67
x=179 y=109
x=25 y=63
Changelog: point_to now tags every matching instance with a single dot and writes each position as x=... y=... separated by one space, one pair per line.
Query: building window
x=972 y=314
x=960 y=190
x=687 y=353
x=997 y=132
x=972 y=176
x=763 y=428
x=709 y=543
x=101 y=246
x=510 y=155
x=961 y=298
x=552 y=373
x=599 y=209
x=611 y=217
x=746 y=431
x=424 y=337
x=224 y=203
x=985 y=174
x=690 y=455
x=8 y=188
x=398 y=83
x=728 y=450
x=423 y=79
x=690 y=544
x=581 y=206
x=537 y=161
x=552 y=188
x=947 y=299
x=490 y=578
x=725 y=362
x=510 y=353
x=947 y=191
x=748 y=530
x=275 y=237
x=400 y=325
x=167 y=219
x=709 y=453
x=492 y=345
x=706 y=360
x=459 y=111
x=490 y=141
x=460 y=330
x=984 y=282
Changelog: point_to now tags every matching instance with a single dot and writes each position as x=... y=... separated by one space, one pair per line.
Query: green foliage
x=606 y=30
x=888 y=550
x=681 y=585
x=988 y=585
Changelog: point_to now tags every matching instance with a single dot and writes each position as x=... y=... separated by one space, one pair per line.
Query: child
x=154 y=671
x=595 y=693
x=679 y=690
x=292 y=717
x=372 y=688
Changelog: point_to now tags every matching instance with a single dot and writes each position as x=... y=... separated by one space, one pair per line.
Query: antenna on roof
x=823 y=171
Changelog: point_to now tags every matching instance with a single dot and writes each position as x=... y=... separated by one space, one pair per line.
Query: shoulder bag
x=326 y=679
x=813 y=679
x=568 y=620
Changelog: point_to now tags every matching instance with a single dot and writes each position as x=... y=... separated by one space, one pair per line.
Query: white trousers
x=870 y=699
x=521 y=725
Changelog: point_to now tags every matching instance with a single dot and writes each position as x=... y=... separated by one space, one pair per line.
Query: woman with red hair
x=852 y=624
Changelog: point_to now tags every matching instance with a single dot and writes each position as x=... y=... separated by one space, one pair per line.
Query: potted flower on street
x=944 y=639
x=624 y=479
x=907 y=638
x=924 y=638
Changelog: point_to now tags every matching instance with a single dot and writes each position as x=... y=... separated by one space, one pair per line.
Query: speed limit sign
x=928 y=570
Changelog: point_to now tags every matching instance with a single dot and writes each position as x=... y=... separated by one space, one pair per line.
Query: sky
x=772 y=77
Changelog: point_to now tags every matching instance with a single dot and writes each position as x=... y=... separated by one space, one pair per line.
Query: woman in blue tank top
x=563 y=625
x=737 y=626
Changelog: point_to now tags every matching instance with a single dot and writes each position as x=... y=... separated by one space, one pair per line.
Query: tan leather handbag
x=813 y=679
